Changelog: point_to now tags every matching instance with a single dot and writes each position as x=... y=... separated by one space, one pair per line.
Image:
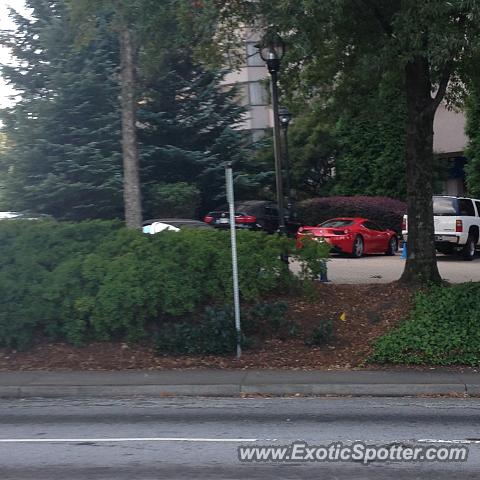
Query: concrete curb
x=222 y=383
x=379 y=390
x=357 y=390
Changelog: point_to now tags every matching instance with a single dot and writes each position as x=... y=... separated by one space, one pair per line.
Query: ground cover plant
x=443 y=328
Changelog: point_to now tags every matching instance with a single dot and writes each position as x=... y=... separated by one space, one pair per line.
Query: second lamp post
x=285 y=119
x=272 y=50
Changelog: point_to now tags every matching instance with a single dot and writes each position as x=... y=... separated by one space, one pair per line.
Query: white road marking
x=461 y=442
x=126 y=439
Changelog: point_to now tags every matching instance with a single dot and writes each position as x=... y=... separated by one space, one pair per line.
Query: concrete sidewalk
x=382 y=269
x=234 y=383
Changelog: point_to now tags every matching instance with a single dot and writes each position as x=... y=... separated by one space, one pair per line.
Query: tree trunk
x=131 y=175
x=421 y=265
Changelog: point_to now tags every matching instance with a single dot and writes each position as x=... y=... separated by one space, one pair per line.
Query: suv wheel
x=469 y=248
x=446 y=249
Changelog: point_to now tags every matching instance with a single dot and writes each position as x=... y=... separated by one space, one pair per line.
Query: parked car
x=23 y=216
x=353 y=236
x=8 y=215
x=250 y=215
x=172 y=224
x=457 y=225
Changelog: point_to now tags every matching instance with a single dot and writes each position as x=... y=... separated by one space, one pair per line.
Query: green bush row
x=443 y=328
x=96 y=281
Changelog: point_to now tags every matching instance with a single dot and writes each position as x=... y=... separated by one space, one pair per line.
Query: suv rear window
x=444 y=206
x=478 y=207
x=272 y=211
x=466 y=208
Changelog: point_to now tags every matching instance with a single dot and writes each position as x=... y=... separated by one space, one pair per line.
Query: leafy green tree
x=371 y=136
x=427 y=45
x=313 y=149
x=473 y=150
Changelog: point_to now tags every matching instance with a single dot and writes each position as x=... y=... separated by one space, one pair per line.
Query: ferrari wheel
x=392 y=246
x=358 y=247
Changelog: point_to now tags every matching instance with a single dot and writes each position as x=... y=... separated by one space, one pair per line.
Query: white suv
x=457 y=225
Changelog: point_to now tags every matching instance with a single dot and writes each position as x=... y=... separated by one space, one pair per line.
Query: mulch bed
x=370 y=311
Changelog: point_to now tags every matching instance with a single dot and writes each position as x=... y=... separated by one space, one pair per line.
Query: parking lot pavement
x=383 y=269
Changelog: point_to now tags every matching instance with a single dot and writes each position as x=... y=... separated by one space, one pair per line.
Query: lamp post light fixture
x=285 y=119
x=272 y=51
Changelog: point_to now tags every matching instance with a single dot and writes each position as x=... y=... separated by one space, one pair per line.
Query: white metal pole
x=233 y=236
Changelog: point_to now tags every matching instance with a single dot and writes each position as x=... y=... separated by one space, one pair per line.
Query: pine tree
x=65 y=158
x=187 y=130
x=65 y=133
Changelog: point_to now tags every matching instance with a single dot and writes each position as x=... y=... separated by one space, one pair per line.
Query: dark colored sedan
x=250 y=215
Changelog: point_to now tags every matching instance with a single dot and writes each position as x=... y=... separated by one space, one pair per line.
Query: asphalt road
x=383 y=269
x=198 y=438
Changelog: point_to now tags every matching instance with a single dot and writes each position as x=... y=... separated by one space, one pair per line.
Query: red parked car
x=353 y=236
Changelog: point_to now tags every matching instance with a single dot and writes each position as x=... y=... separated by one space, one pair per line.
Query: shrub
x=214 y=333
x=313 y=258
x=321 y=334
x=98 y=281
x=269 y=318
x=40 y=274
x=443 y=328
x=385 y=211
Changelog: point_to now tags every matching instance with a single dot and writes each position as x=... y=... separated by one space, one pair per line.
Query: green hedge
x=442 y=329
x=96 y=281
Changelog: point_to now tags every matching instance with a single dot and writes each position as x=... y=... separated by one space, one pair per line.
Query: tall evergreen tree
x=187 y=129
x=65 y=158
x=122 y=15
x=66 y=154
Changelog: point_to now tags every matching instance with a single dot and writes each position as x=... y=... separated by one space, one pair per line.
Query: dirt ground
x=370 y=311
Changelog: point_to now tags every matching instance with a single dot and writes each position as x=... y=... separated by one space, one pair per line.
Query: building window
x=243 y=94
x=253 y=57
x=258 y=93
x=258 y=134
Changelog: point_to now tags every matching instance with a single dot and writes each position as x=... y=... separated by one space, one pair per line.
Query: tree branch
x=442 y=86
x=386 y=26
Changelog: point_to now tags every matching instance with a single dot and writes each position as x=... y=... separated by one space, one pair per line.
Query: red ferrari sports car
x=353 y=236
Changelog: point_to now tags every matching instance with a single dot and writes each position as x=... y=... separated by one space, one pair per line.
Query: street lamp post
x=285 y=119
x=272 y=50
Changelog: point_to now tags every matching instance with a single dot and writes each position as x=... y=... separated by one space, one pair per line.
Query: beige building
x=252 y=80
x=450 y=141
